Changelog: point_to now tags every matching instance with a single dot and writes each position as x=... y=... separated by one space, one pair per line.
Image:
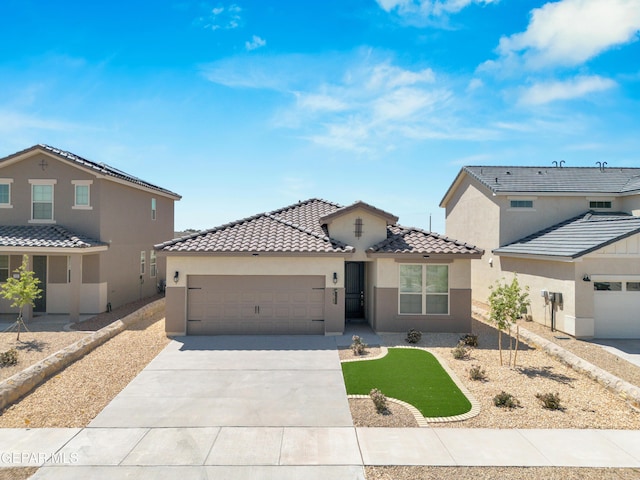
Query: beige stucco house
x=568 y=231
x=88 y=229
x=310 y=267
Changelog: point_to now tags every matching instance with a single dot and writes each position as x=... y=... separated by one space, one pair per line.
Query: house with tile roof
x=88 y=229
x=310 y=267
x=572 y=235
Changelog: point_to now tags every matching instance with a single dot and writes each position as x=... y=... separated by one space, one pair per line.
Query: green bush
x=413 y=336
x=506 y=400
x=477 y=373
x=358 y=346
x=379 y=400
x=9 y=358
x=460 y=352
x=550 y=401
x=470 y=340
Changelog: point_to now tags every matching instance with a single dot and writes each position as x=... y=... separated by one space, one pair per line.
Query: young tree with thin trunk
x=508 y=301
x=21 y=291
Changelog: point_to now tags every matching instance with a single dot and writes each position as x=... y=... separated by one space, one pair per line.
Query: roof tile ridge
x=300 y=203
x=307 y=231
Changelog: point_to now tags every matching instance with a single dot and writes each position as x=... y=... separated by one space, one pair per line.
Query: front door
x=354 y=289
x=40 y=270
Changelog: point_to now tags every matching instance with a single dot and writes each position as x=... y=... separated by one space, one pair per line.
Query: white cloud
x=11 y=121
x=546 y=92
x=570 y=32
x=256 y=42
x=221 y=18
x=425 y=9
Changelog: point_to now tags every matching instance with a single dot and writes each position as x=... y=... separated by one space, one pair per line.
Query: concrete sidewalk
x=302 y=452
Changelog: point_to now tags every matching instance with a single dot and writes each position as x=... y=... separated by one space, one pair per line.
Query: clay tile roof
x=575 y=237
x=408 y=240
x=44 y=236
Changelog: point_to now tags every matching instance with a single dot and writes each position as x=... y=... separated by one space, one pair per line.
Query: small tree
x=21 y=291
x=507 y=302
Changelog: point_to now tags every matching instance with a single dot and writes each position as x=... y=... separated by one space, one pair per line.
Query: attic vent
x=358 y=227
x=508 y=172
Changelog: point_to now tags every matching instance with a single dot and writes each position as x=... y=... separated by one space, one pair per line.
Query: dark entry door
x=354 y=289
x=40 y=270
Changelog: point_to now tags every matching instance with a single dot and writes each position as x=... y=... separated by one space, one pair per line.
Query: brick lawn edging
x=23 y=382
x=624 y=389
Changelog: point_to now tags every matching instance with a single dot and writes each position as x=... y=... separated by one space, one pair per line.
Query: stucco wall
x=374 y=230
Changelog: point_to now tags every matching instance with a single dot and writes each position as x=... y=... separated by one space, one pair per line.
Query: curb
x=23 y=382
x=624 y=389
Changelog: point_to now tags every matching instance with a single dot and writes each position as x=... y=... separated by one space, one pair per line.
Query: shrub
x=9 y=358
x=379 y=400
x=413 y=335
x=470 y=340
x=358 y=346
x=505 y=400
x=460 y=352
x=477 y=373
x=550 y=401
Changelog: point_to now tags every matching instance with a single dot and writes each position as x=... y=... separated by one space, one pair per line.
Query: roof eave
x=174 y=253
x=49 y=250
x=425 y=256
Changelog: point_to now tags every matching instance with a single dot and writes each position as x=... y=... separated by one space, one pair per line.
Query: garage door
x=616 y=309
x=265 y=304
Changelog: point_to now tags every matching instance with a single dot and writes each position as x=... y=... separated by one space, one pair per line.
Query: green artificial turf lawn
x=411 y=375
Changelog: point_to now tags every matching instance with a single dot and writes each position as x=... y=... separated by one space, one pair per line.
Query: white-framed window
x=42 y=201
x=82 y=194
x=600 y=204
x=5 y=192
x=143 y=262
x=153 y=209
x=423 y=289
x=4 y=268
x=153 y=264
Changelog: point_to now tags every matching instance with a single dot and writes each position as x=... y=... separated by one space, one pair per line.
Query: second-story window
x=599 y=204
x=521 y=204
x=42 y=200
x=5 y=192
x=81 y=194
x=153 y=209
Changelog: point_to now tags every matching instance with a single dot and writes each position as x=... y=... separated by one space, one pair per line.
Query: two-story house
x=572 y=235
x=88 y=229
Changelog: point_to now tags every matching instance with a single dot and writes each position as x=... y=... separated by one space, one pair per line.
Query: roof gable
x=390 y=218
x=97 y=169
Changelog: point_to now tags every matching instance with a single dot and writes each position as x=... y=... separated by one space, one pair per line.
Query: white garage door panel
x=226 y=304
x=617 y=314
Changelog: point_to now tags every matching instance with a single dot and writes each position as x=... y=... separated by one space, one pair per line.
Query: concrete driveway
x=249 y=381
x=628 y=349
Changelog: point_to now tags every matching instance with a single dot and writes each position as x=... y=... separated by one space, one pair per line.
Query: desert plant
x=477 y=373
x=9 y=358
x=379 y=400
x=505 y=400
x=470 y=340
x=21 y=290
x=550 y=401
x=507 y=302
x=413 y=335
x=460 y=351
x=358 y=346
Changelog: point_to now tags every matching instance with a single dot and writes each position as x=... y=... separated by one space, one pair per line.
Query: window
x=633 y=286
x=521 y=203
x=153 y=269
x=424 y=290
x=358 y=227
x=4 y=268
x=599 y=204
x=82 y=194
x=143 y=261
x=608 y=286
x=153 y=209
x=42 y=200
x=5 y=192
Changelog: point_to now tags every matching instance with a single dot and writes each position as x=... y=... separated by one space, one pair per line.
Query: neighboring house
x=88 y=229
x=572 y=231
x=309 y=267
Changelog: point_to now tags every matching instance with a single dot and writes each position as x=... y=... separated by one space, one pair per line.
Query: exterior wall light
x=586 y=278
x=335 y=277
x=176 y=277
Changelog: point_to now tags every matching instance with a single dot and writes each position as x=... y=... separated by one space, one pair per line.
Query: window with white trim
x=4 y=268
x=42 y=200
x=153 y=264
x=82 y=194
x=521 y=204
x=423 y=289
x=143 y=261
x=5 y=192
x=153 y=209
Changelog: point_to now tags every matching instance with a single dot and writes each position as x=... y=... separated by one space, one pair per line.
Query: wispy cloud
x=419 y=12
x=221 y=17
x=256 y=42
x=11 y=121
x=569 y=33
x=546 y=92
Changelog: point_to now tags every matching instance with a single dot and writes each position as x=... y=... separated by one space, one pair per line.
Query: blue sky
x=247 y=106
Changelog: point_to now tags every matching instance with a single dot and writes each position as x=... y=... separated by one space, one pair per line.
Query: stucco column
x=27 y=311
x=74 y=290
